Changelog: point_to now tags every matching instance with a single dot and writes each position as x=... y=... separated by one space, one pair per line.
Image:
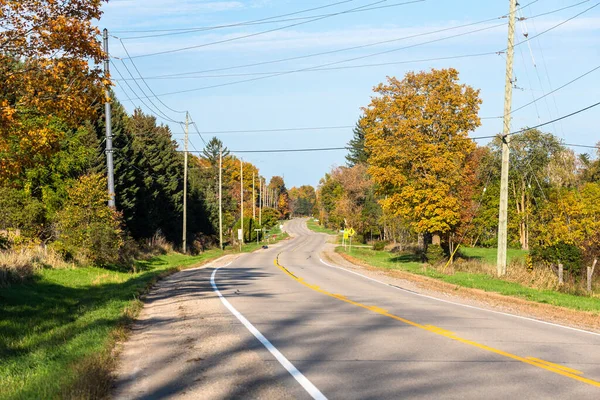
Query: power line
x=365 y=56
x=315 y=149
x=241 y=23
x=138 y=98
x=557 y=89
x=198 y=132
x=176 y=76
x=279 y=130
x=364 y=46
x=146 y=83
x=183 y=31
x=261 y=32
x=556 y=119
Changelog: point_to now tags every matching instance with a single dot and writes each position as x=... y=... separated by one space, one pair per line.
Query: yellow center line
x=557 y=369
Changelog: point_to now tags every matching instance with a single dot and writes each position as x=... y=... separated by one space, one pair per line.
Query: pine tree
x=357 y=152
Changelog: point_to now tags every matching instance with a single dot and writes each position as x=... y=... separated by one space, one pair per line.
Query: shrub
x=270 y=218
x=564 y=253
x=434 y=254
x=249 y=226
x=380 y=245
x=89 y=230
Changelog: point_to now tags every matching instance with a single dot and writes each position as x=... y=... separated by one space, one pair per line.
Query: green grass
x=410 y=263
x=315 y=227
x=62 y=325
x=488 y=255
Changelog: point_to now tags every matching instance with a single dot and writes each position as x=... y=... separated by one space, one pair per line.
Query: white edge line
x=459 y=304
x=302 y=380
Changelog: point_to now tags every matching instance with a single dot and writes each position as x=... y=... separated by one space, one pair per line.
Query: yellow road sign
x=351 y=232
x=345 y=234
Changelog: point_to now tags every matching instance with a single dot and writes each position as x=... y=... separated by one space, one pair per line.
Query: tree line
x=53 y=191
x=413 y=176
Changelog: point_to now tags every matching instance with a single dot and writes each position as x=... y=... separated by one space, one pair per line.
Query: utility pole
x=185 y=173
x=503 y=213
x=221 y=197
x=242 y=202
x=253 y=199
x=110 y=169
x=260 y=200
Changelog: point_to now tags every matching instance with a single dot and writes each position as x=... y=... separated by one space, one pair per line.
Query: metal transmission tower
x=503 y=212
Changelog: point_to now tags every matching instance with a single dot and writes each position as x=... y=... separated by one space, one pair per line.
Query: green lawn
x=488 y=255
x=57 y=331
x=410 y=263
x=315 y=227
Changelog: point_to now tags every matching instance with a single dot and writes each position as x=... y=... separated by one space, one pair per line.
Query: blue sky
x=334 y=97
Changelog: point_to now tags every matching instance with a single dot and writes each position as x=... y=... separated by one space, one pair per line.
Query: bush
x=270 y=218
x=380 y=245
x=435 y=254
x=249 y=232
x=561 y=253
x=89 y=230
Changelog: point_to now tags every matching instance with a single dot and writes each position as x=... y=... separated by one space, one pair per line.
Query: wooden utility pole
x=221 y=197
x=242 y=201
x=110 y=170
x=185 y=173
x=253 y=198
x=503 y=212
x=260 y=200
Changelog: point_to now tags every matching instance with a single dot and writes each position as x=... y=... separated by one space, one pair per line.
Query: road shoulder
x=186 y=344
x=467 y=296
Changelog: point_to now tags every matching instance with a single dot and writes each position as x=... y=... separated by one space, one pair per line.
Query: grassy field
x=411 y=263
x=315 y=227
x=57 y=332
x=488 y=255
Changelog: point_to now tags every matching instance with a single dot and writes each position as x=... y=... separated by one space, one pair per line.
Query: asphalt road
x=324 y=332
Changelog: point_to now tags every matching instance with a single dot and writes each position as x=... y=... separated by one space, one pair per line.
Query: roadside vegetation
x=71 y=267
x=426 y=199
x=538 y=285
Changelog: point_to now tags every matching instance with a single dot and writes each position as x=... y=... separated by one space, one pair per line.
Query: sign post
x=351 y=232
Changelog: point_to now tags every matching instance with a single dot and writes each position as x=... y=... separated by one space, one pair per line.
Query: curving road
x=314 y=330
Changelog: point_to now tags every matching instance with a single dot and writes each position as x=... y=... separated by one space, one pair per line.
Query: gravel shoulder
x=467 y=296
x=186 y=345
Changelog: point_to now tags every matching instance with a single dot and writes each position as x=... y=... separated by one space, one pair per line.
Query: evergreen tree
x=357 y=152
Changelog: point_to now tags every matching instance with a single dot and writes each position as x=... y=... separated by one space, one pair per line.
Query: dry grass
x=158 y=244
x=517 y=272
x=19 y=265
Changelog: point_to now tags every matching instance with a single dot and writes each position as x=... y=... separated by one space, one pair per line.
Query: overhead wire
x=369 y=44
x=156 y=110
x=241 y=23
x=378 y=53
x=184 y=31
x=261 y=32
x=146 y=83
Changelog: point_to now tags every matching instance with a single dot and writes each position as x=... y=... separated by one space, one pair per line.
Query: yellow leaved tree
x=49 y=69
x=417 y=137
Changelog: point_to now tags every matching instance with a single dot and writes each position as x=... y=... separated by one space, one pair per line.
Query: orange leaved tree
x=49 y=69
x=416 y=135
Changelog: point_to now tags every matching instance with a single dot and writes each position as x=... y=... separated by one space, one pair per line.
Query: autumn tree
x=302 y=200
x=280 y=196
x=533 y=155
x=569 y=219
x=417 y=136
x=49 y=66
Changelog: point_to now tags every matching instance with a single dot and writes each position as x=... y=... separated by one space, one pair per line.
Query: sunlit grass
x=411 y=263
x=57 y=328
